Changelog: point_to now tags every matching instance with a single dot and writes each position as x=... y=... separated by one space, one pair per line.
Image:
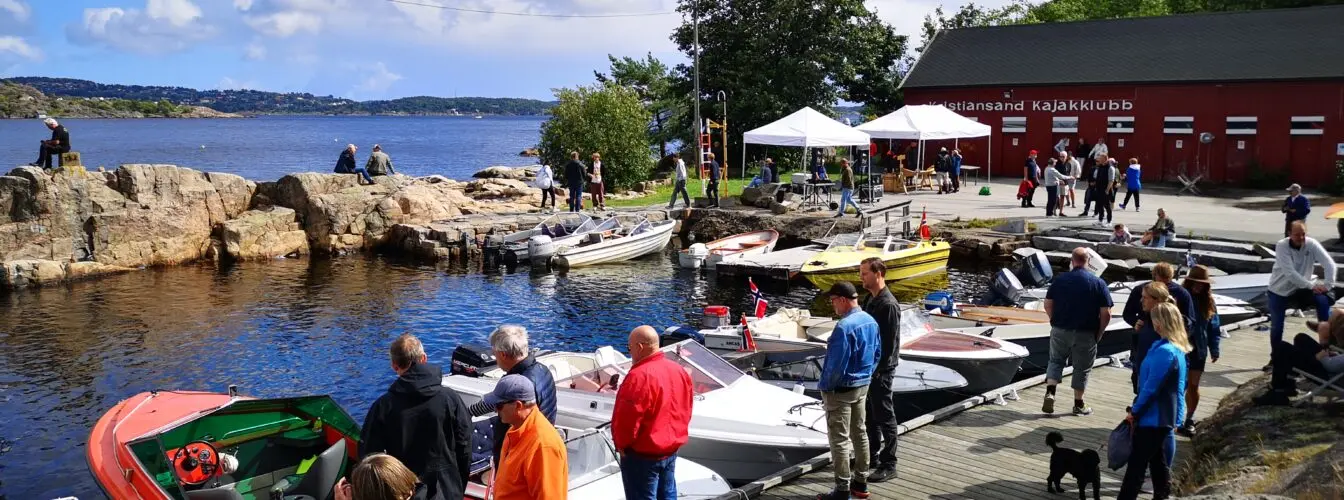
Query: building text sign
x=1048 y=105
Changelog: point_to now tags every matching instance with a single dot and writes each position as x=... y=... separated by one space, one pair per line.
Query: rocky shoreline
x=67 y=226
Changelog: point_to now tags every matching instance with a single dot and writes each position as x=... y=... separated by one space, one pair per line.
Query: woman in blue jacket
x=1205 y=339
x=1159 y=407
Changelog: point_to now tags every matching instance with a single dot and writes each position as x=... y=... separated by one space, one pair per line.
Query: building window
x=1241 y=125
x=1308 y=125
x=973 y=118
x=1067 y=124
x=1014 y=124
x=1120 y=124
x=1178 y=125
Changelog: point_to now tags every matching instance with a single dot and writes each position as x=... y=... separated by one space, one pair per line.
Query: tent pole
x=989 y=160
x=744 y=158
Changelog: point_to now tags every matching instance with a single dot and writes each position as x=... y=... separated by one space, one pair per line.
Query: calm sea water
x=268 y=147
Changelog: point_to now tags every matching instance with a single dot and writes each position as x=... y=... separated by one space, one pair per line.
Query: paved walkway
x=998 y=452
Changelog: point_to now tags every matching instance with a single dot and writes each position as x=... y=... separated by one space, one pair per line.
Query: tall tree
x=652 y=81
x=604 y=118
x=772 y=57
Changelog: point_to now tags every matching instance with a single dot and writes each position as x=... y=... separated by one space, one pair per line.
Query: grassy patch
x=1280 y=462
x=732 y=187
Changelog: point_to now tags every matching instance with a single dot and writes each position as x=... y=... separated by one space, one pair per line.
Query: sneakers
x=1082 y=411
x=1048 y=406
x=835 y=495
x=1187 y=429
x=859 y=490
x=882 y=473
x=1122 y=206
x=1147 y=485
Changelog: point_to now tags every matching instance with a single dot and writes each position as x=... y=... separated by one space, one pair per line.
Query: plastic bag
x=1118 y=446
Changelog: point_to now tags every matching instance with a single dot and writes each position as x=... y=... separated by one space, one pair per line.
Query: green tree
x=772 y=57
x=652 y=80
x=605 y=118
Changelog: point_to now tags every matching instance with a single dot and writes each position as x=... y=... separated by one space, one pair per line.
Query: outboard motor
x=1033 y=270
x=940 y=301
x=540 y=248
x=1004 y=290
x=472 y=360
x=493 y=250
x=676 y=334
x=1095 y=264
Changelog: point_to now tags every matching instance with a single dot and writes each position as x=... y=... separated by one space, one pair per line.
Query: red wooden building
x=1267 y=86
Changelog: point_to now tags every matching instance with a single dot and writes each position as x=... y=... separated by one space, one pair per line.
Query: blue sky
x=361 y=49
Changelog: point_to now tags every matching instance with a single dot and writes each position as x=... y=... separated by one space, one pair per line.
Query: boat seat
x=320 y=480
x=220 y=493
x=560 y=230
x=482 y=445
x=546 y=231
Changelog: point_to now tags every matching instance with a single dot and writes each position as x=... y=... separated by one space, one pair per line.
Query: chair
x=1189 y=181
x=1332 y=388
x=320 y=480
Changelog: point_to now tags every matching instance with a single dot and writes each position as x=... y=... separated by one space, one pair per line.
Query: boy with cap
x=851 y=358
x=533 y=463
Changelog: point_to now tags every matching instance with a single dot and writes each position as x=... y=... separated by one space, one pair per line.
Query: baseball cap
x=1032 y=152
x=843 y=289
x=1295 y=187
x=509 y=389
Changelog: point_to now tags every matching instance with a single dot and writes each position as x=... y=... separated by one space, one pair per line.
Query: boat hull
x=899 y=268
x=619 y=250
x=720 y=253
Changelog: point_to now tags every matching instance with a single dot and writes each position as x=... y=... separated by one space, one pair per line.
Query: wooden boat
x=903 y=258
x=632 y=237
x=178 y=445
x=731 y=249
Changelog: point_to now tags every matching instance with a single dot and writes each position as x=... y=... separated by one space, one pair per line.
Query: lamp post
x=695 y=70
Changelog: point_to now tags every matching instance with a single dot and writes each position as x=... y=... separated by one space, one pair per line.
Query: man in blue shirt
x=1295 y=208
x=851 y=358
x=1079 y=306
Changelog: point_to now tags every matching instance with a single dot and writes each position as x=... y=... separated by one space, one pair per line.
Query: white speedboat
x=539 y=243
x=632 y=237
x=595 y=471
x=741 y=428
x=1230 y=309
x=729 y=249
x=1029 y=328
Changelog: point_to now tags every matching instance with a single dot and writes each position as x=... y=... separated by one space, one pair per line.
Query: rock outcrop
x=515 y=173
x=62 y=226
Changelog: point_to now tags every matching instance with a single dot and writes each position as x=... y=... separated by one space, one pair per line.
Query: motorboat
x=1248 y=287
x=1029 y=328
x=741 y=428
x=986 y=363
x=1230 y=309
x=201 y=445
x=903 y=258
x=539 y=243
x=918 y=387
x=595 y=468
x=730 y=249
x=619 y=239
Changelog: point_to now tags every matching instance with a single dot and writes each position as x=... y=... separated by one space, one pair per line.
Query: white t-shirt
x=597 y=172
x=681 y=169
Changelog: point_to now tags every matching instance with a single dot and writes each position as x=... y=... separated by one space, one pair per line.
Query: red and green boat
x=184 y=445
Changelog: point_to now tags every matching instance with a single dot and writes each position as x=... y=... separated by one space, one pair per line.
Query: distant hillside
x=259 y=102
x=22 y=101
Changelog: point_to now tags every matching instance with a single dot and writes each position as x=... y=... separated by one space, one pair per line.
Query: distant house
x=1266 y=86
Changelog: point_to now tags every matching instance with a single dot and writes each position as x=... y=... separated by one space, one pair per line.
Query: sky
x=359 y=49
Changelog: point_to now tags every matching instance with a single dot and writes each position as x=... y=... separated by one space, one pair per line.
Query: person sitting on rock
x=1162 y=231
x=379 y=163
x=1311 y=355
x=346 y=164
x=59 y=143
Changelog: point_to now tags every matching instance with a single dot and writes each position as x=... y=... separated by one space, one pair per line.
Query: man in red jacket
x=652 y=419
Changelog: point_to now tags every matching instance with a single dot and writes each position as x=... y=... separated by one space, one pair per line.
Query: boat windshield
x=590 y=456
x=915 y=321
x=708 y=371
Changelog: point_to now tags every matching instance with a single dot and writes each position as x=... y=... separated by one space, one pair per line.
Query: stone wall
x=62 y=226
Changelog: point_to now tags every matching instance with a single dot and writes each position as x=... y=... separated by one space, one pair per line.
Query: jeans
x=844 y=422
x=712 y=191
x=575 y=197
x=1087 y=198
x=1135 y=194
x=548 y=191
x=679 y=187
x=1147 y=455
x=647 y=479
x=1278 y=306
x=881 y=421
x=364 y=172
x=847 y=198
x=45 y=152
x=1052 y=200
x=1158 y=241
x=1103 y=201
x=1076 y=345
x=956 y=180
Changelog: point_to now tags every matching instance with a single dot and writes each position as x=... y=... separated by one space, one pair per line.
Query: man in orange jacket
x=533 y=464
x=651 y=420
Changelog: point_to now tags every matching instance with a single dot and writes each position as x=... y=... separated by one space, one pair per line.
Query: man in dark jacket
x=1295 y=208
x=59 y=143
x=346 y=164
x=1031 y=173
x=422 y=423
x=881 y=407
x=713 y=189
x=509 y=343
x=574 y=180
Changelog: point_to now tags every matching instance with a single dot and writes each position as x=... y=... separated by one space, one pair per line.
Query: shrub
x=608 y=119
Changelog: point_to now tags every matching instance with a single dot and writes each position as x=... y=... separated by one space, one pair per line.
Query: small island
x=23 y=101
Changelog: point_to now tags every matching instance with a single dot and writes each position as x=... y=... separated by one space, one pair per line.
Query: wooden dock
x=998 y=452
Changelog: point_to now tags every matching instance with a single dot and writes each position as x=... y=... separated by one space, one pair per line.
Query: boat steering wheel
x=196 y=462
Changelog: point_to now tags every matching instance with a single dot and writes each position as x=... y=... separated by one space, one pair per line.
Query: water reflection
x=290 y=327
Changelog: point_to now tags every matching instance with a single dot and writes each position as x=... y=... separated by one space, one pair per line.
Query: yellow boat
x=903 y=258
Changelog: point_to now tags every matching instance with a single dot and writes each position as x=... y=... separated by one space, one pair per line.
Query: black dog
x=1084 y=465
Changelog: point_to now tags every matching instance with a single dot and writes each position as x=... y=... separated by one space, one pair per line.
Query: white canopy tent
x=929 y=123
x=805 y=128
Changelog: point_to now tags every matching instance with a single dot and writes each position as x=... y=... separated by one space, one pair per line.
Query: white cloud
x=162 y=26
x=242 y=5
x=228 y=83
x=254 y=51
x=15 y=48
x=376 y=79
x=17 y=9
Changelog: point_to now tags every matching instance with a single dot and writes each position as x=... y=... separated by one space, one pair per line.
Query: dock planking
x=998 y=452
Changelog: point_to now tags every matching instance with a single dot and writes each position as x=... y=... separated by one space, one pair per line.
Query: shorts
x=1196 y=359
x=1072 y=183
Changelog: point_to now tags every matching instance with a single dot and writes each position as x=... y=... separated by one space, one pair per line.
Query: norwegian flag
x=761 y=303
x=924 y=231
x=748 y=342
